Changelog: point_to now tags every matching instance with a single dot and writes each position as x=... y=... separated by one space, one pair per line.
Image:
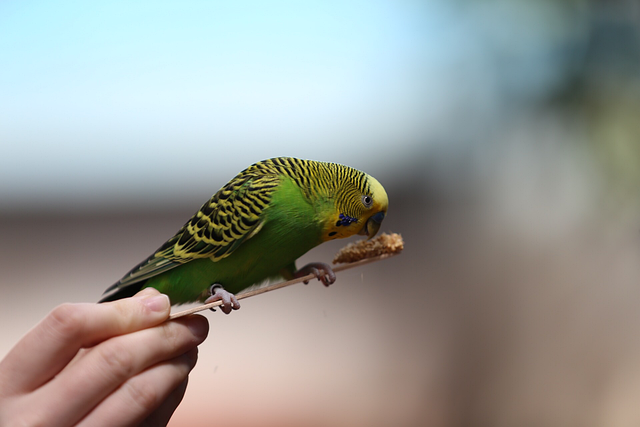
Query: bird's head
x=379 y=203
x=360 y=206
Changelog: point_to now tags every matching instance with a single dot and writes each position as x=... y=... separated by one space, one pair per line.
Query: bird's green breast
x=292 y=226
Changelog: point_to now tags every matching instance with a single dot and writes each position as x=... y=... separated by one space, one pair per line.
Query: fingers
x=152 y=396
x=108 y=365
x=162 y=415
x=52 y=343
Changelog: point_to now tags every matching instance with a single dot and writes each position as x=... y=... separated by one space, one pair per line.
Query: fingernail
x=157 y=303
x=198 y=326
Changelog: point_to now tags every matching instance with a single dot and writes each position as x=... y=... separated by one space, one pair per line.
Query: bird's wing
x=233 y=215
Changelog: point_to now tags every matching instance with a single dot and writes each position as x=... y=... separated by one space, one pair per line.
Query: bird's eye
x=367 y=201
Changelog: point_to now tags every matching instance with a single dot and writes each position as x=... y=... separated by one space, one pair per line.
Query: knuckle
x=118 y=359
x=142 y=394
x=124 y=314
x=66 y=320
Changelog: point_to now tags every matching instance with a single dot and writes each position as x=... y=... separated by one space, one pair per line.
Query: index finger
x=49 y=346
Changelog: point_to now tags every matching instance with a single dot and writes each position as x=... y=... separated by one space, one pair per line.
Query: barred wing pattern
x=230 y=217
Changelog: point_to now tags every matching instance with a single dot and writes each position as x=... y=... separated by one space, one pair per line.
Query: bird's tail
x=115 y=292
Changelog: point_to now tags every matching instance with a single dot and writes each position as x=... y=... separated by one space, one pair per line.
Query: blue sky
x=138 y=101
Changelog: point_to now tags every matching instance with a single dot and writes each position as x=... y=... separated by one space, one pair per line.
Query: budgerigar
x=255 y=227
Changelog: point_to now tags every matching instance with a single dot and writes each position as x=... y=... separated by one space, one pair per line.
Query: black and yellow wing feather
x=233 y=215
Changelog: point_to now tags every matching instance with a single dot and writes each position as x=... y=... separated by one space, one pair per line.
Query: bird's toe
x=229 y=300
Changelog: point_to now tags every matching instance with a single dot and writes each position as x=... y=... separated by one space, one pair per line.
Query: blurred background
x=505 y=132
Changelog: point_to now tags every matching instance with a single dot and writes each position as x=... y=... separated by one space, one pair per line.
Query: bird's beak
x=373 y=225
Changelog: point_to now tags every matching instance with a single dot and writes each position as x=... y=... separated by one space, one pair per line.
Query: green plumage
x=255 y=227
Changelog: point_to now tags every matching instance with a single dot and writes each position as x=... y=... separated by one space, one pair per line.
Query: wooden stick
x=275 y=286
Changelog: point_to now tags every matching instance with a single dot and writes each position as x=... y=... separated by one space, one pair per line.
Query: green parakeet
x=255 y=227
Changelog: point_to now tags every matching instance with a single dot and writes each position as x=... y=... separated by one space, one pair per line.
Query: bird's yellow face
x=360 y=208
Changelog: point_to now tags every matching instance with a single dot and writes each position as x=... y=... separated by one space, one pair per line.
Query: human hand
x=117 y=364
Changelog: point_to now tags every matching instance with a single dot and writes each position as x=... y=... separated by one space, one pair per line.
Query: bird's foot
x=218 y=293
x=322 y=271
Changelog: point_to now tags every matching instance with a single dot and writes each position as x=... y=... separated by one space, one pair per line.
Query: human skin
x=118 y=363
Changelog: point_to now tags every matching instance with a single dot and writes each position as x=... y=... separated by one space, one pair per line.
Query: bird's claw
x=229 y=300
x=322 y=271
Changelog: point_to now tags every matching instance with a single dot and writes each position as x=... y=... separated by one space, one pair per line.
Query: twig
x=275 y=286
